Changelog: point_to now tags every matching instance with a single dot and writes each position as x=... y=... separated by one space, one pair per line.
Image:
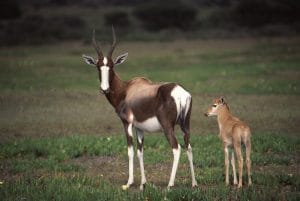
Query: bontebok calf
x=233 y=132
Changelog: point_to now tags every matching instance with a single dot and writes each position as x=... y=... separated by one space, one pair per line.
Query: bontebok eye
x=214 y=105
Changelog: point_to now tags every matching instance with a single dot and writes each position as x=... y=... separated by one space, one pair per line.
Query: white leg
x=190 y=157
x=176 y=154
x=130 y=157
x=140 y=154
x=143 y=177
x=233 y=169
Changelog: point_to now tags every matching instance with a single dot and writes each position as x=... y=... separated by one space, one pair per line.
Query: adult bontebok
x=145 y=106
x=232 y=132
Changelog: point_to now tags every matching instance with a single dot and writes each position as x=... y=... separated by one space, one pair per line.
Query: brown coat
x=233 y=133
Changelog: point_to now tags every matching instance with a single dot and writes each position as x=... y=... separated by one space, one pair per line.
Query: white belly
x=150 y=125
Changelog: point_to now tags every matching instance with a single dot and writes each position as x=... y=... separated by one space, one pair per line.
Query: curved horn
x=96 y=46
x=113 y=44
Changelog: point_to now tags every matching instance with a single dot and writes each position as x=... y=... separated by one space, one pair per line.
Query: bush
x=257 y=13
x=158 y=15
x=36 y=29
x=117 y=18
x=9 y=9
x=221 y=3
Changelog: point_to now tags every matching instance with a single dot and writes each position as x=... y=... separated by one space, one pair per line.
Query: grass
x=61 y=140
x=64 y=69
x=54 y=80
x=36 y=168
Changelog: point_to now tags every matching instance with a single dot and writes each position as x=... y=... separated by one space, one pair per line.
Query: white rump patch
x=150 y=125
x=182 y=99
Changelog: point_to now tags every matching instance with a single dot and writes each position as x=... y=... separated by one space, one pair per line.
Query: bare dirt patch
x=115 y=170
x=291 y=170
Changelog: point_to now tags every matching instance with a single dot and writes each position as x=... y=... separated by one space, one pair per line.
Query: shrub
x=158 y=15
x=36 y=29
x=9 y=9
x=256 y=13
x=117 y=18
x=221 y=3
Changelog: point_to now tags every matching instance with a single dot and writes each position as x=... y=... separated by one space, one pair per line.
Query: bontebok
x=145 y=106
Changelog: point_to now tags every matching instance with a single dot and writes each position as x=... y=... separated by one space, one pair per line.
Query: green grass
x=49 y=90
x=61 y=140
x=44 y=166
x=231 y=71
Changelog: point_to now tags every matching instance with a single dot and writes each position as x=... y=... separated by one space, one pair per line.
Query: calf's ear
x=222 y=100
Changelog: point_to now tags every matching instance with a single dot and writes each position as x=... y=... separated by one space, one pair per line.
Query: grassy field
x=61 y=140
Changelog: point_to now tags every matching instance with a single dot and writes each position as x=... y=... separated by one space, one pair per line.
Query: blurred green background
x=47 y=21
x=61 y=140
x=245 y=50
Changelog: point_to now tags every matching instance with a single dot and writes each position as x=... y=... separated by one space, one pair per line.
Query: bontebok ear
x=89 y=60
x=120 y=59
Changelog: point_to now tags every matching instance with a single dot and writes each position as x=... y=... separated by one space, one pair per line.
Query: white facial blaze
x=104 y=75
x=105 y=61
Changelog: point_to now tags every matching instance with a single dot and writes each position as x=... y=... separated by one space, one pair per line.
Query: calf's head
x=215 y=108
